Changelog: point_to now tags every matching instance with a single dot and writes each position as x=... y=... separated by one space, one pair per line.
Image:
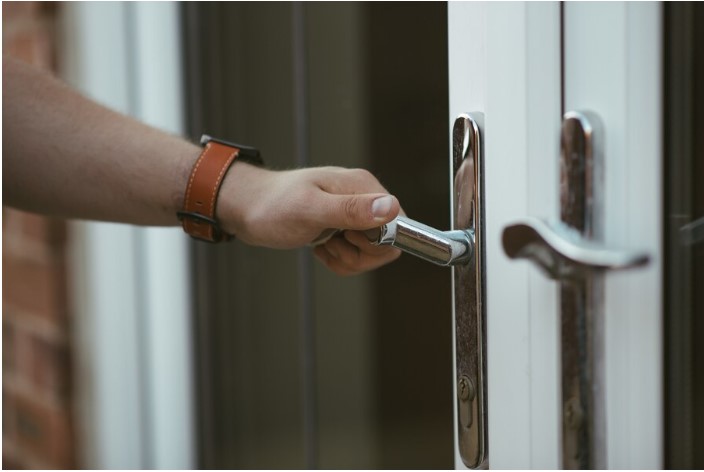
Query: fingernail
x=382 y=206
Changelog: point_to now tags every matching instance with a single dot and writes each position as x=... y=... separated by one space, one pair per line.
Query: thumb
x=360 y=212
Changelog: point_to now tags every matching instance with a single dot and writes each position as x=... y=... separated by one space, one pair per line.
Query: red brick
x=29 y=47
x=33 y=228
x=14 y=10
x=11 y=220
x=19 y=47
x=9 y=462
x=43 y=229
x=44 y=432
x=51 y=367
x=37 y=287
x=21 y=355
x=8 y=418
x=37 y=427
x=8 y=347
x=5 y=212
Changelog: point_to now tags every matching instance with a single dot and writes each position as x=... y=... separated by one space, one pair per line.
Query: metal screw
x=464 y=389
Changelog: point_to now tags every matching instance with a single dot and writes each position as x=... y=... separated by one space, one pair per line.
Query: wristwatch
x=201 y=197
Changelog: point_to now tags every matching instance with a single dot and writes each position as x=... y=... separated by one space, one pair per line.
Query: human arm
x=64 y=155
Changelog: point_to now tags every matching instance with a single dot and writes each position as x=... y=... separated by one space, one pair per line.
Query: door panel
x=616 y=74
x=523 y=66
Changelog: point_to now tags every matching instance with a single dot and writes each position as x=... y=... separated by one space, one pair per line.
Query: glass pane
x=344 y=84
x=684 y=229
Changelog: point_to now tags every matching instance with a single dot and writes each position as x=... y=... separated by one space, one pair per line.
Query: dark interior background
x=298 y=367
x=683 y=183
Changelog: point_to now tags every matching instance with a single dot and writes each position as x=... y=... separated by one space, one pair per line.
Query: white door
x=524 y=66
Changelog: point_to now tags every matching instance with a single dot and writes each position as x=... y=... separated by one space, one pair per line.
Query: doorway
x=296 y=367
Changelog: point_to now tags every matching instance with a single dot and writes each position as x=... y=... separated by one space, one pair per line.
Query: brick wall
x=37 y=423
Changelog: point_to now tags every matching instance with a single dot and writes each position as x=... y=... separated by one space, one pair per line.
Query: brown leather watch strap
x=200 y=200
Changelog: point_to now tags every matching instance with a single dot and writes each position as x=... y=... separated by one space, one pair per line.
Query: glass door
x=299 y=368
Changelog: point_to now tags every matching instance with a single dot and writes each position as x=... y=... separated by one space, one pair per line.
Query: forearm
x=66 y=156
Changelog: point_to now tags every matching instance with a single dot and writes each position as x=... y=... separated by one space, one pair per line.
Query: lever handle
x=444 y=248
x=570 y=251
x=561 y=252
x=463 y=249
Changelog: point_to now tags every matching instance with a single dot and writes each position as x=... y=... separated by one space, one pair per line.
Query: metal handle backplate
x=571 y=251
x=469 y=292
x=463 y=249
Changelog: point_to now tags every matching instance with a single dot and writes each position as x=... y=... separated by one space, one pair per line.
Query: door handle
x=563 y=253
x=571 y=251
x=462 y=248
x=444 y=248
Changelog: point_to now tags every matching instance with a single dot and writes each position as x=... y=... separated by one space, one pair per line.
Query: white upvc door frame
x=131 y=289
x=505 y=61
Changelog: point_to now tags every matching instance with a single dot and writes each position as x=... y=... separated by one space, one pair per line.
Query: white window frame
x=130 y=285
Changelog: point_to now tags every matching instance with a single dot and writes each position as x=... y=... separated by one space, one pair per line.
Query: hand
x=289 y=209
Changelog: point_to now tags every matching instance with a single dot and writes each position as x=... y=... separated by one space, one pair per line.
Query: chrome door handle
x=463 y=249
x=562 y=252
x=445 y=248
x=571 y=251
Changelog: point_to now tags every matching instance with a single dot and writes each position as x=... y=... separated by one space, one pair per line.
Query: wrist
x=186 y=158
x=241 y=194
x=199 y=215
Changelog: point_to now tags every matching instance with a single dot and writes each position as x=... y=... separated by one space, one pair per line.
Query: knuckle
x=349 y=259
x=350 y=210
x=363 y=174
x=346 y=255
x=327 y=171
